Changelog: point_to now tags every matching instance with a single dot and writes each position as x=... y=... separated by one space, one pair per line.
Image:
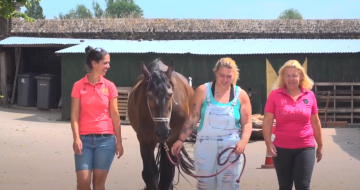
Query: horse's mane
x=152 y=66
x=158 y=83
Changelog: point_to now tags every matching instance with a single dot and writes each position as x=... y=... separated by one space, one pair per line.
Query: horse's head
x=159 y=99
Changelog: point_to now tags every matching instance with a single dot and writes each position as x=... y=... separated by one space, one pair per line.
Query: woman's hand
x=271 y=150
x=319 y=152
x=77 y=146
x=177 y=146
x=240 y=147
x=119 y=150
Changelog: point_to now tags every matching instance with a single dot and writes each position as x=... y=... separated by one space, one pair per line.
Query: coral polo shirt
x=293 y=118
x=94 y=105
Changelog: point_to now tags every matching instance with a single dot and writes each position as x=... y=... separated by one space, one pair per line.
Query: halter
x=161 y=119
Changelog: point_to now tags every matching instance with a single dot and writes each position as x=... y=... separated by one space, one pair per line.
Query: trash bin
x=26 y=92
x=48 y=92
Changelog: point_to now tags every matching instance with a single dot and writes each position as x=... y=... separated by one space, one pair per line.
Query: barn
x=328 y=49
x=330 y=63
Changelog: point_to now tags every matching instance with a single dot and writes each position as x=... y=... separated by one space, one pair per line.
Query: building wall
x=125 y=68
x=335 y=67
x=7 y=68
x=255 y=71
x=41 y=61
x=4 y=32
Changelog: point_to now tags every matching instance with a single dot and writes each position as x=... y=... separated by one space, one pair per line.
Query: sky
x=223 y=9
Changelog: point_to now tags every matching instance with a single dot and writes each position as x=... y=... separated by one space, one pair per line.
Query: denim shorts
x=98 y=152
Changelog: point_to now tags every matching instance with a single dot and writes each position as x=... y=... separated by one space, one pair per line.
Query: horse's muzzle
x=163 y=132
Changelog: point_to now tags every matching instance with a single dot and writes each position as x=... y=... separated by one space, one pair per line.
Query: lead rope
x=218 y=161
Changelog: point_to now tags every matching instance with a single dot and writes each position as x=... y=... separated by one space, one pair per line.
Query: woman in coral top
x=95 y=122
x=294 y=107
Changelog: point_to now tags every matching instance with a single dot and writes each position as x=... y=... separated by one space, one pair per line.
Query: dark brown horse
x=158 y=107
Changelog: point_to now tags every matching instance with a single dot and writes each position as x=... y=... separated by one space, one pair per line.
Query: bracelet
x=181 y=140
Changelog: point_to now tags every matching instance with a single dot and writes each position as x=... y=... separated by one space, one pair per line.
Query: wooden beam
x=336 y=83
x=40 y=46
x=17 y=63
x=271 y=77
x=336 y=124
x=3 y=78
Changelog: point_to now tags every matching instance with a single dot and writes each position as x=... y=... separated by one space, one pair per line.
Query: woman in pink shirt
x=95 y=122
x=294 y=107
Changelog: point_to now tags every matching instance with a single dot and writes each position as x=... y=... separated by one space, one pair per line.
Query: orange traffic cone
x=268 y=159
x=268 y=162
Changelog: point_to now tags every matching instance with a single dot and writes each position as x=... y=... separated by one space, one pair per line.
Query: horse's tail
x=186 y=165
x=187 y=162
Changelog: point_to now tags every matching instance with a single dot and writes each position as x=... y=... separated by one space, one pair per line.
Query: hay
x=257 y=121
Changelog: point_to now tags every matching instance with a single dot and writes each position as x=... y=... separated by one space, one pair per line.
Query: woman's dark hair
x=94 y=54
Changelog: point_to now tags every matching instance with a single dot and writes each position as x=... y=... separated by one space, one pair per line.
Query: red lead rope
x=218 y=161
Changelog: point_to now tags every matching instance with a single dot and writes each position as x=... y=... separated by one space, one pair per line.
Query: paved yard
x=36 y=154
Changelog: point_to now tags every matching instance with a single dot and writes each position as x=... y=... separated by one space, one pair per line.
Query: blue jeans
x=206 y=154
x=98 y=152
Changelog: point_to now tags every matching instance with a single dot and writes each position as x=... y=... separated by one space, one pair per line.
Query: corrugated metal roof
x=221 y=47
x=14 y=40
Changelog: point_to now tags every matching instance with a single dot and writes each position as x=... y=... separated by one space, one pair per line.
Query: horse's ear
x=170 y=69
x=144 y=70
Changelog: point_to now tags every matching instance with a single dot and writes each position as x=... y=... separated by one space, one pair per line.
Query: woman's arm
x=315 y=121
x=246 y=120
x=114 y=112
x=115 y=116
x=316 y=125
x=267 y=127
x=269 y=117
x=194 y=115
x=75 y=112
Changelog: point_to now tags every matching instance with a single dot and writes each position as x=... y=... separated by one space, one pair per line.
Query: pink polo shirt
x=94 y=105
x=293 y=118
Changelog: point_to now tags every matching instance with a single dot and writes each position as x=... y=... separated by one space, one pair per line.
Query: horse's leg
x=150 y=173
x=167 y=170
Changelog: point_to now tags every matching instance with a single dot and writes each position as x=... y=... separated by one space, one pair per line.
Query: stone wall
x=171 y=29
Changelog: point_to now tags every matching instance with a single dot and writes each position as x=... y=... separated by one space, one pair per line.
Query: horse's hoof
x=170 y=188
x=150 y=188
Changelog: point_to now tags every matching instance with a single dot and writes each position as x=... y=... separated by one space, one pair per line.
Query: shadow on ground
x=349 y=141
x=33 y=115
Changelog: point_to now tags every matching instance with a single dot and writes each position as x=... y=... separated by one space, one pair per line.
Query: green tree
x=98 y=11
x=122 y=8
x=290 y=14
x=35 y=10
x=79 y=12
x=114 y=9
x=7 y=9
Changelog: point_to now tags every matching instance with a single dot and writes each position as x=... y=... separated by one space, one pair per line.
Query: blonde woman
x=225 y=113
x=294 y=106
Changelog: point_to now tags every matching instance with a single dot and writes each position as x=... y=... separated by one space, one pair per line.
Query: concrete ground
x=36 y=154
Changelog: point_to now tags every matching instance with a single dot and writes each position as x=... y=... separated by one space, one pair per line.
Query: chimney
x=5 y=26
x=17 y=7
